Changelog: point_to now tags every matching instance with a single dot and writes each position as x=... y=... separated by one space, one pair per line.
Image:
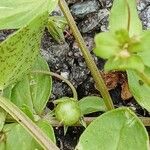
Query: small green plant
x=126 y=48
x=24 y=123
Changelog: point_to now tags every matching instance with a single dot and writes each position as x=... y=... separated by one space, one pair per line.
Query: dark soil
x=66 y=59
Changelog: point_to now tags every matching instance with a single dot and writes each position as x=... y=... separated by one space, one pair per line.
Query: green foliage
x=17 y=13
x=91 y=104
x=34 y=90
x=2 y=118
x=125 y=39
x=19 y=51
x=124 y=16
x=139 y=89
x=126 y=47
x=17 y=58
x=117 y=129
x=56 y=26
x=145 y=54
x=16 y=137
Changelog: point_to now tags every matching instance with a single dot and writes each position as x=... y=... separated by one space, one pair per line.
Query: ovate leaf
x=34 y=89
x=123 y=15
x=47 y=128
x=132 y=62
x=17 y=13
x=56 y=26
x=118 y=129
x=107 y=45
x=40 y=85
x=91 y=104
x=145 y=54
x=17 y=138
x=139 y=90
x=18 y=52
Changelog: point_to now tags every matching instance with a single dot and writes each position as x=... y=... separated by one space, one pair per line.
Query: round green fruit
x=68 y=112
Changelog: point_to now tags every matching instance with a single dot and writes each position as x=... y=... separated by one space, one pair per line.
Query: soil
x=66 y=59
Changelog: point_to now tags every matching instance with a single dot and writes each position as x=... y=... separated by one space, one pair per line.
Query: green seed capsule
x=68 y=112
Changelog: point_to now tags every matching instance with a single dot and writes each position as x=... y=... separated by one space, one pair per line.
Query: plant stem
x=144 y=77
x=75 y=95
x=88 y=58
x=88 y=120
x=28 y=124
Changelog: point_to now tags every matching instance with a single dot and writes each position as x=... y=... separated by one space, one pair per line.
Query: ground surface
x=66 y=59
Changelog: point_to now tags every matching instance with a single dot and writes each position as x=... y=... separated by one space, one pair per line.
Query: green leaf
x=52 y=5
x=21 y=94
x=42 y=85
x=107 y=45
x=2 y=118
x=7 y=92
x=124 y=14
x=2 y=145
x=17 y=138
x=119 y=129
x=34 y=90
x=27 y=111
x=139 y=90
x=47 y=128
x=145 y=54
x=56 y=26
x=91 y=104
x=131 y=62
x=17 y=13
x=18 y=52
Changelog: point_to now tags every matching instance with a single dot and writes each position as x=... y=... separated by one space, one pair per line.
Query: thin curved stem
x=75 y=95
x=28 y=124
x=88 y=58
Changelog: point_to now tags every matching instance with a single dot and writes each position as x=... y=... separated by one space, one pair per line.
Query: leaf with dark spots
x=19 y=51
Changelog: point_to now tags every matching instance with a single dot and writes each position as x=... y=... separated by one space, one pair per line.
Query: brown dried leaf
x=125 y=92
x=112 y=79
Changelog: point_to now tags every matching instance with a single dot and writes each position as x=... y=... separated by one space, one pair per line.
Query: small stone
x=94 y=21
x=106 y=3
x=81 y=9
x=89 y=24
x=142 y=4
x=64 y=75
x=54 y=53
x=145 y=17
x=73 y=1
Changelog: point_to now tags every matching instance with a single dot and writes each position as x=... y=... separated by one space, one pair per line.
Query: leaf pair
x=125 y=45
